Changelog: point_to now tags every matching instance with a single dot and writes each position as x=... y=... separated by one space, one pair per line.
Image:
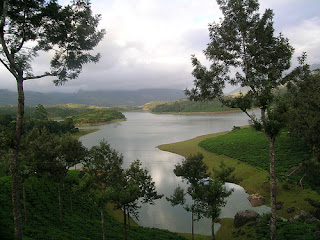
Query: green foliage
x=251 y=146
x=81 y=223
x=185 y=106
x=224 y=174
x=78 y=112
x=213 y=196
x=287 y=230
x=192 y=169
x=102 y=168
x=98 y=116
x=41 y=113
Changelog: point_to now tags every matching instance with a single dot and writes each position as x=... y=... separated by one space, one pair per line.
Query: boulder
x=256 y=200
x=308 y=217
x=316 y=235
x=316 y=213
x=291 y=209
x=242 y=217
x=279 y=205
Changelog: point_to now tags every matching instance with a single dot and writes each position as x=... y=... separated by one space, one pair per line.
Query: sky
x=149 y=43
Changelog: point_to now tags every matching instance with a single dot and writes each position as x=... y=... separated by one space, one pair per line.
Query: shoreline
x=195 y=113
x=99 y=123
x=254 y=179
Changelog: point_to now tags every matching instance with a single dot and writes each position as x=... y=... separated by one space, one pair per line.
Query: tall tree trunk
x=273 y=189
x=16 y=207
x=30 y=181
x=102 y=224
x=71 y=206
x=212 y=229
x=128 y=219
x=125 y=223
x=192 y=224
x=60 y=206
x=25 y=203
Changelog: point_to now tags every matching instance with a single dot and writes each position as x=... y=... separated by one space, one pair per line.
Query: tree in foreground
x=133 y=186
x=192 y=169
x=68 y=33
x=303 y=103
x=212 y=195
x=244 y=41
x=102 y=172
x=47 y=154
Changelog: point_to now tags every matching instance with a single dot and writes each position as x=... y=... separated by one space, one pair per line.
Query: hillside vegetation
x=186 y=106
x=81 y=216
x=250 y=146
x=107 y=98
x=81 y=114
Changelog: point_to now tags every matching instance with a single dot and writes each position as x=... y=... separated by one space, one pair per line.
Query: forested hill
x=98 y=98
x=186 y=106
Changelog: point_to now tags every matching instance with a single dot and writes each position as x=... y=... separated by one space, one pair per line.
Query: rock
x=316 y=213
x=316 y=234
x=279 y=205
x=308 y=217
x=298 y=215
x=291 y=210
x=242 y=217
x=256 y=200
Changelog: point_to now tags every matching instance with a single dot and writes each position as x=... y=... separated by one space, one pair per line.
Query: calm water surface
x=138 y=137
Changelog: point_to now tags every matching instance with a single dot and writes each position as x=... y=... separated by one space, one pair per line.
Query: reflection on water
x=138 y=137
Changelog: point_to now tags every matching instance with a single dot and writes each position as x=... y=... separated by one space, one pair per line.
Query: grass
x=253 y=177
x=82 y=223
x=196 y=236
x=252 y=147
x=83 y=132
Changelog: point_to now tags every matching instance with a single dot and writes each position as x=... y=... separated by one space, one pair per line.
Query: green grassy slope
x=252 y=147
x=81 y=223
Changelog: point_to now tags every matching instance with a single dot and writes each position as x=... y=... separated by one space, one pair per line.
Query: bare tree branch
x=3 y=43
x=41 y=76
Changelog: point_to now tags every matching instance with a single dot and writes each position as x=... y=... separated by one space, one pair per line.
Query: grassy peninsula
x=241 y=149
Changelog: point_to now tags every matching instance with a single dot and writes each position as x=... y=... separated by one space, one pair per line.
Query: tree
x=41 y=113
x=245 y=41
x=192 y=169
x=212 y=196
x=302 y=103
x=134 y=185
x=70 y=152
x=103 y=171
x=27 y=27
x=224 y=174
x=49 y=155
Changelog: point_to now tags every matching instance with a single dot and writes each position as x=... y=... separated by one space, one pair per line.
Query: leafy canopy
x=68 y=32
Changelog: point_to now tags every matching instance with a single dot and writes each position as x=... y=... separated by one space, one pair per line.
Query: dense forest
x=187 y=106
x=80 y=114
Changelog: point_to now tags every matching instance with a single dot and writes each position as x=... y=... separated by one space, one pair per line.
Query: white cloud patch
x=149 y=42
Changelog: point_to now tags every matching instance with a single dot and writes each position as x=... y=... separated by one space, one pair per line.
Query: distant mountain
x=238 y=90
x=315 y=66
x=100 y=98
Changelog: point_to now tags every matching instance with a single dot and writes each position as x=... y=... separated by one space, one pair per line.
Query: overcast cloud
x=149 y=42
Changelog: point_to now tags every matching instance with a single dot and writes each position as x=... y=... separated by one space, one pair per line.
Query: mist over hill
x=110 y=98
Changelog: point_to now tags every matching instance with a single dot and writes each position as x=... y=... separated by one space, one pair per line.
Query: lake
x=138 y=138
